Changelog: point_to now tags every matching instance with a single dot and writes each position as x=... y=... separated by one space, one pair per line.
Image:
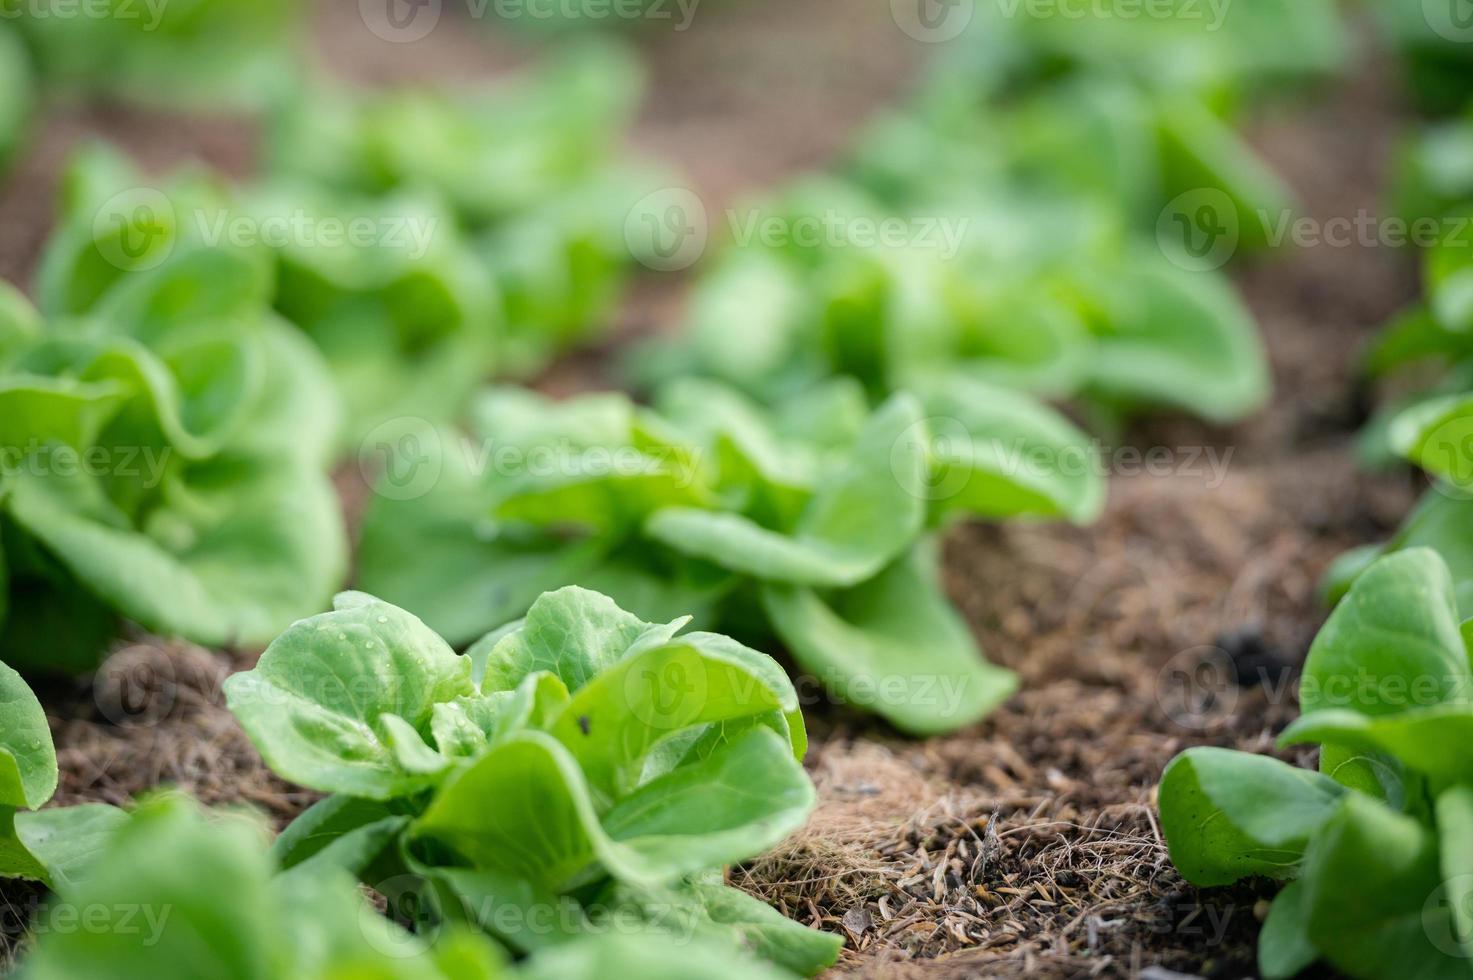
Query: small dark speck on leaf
x=583 y=724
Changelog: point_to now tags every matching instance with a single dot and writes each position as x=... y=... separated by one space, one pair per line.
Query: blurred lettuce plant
x=180 y=53
x=813 y=521
x=164 y=441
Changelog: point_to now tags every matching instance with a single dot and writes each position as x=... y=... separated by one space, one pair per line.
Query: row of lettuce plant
x=200 y=53
x=1375 y=845
x=1037 y=171
x=570 y=788
x=1424 y=355
x=164 y=459
x=423 y=240
x=811 y=522
x=167 y=428
x=771 y=501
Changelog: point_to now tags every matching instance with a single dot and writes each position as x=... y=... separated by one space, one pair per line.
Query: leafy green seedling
x=577 y=768
x=202 y=54
x=1375 y=844
x=165 y=460
x=813 y=521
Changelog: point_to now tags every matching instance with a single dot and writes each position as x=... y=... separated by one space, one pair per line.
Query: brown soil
x=1028 y=845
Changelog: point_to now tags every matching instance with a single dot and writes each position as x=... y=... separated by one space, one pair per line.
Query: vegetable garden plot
x=904 y=859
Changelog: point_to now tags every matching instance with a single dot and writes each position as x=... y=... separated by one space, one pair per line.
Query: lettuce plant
x=164 y=460
x=491 y=153
x=580 y=761
x=813 y=521
x=192 y=53
x=55 y=846
x=1130 y=110
x=1432 y=40
x=173 y=885
x=1051 y=296
x=138 y=892
x=531 y=171
x=1053 y=147
x=1433 y=433
x=423 y=242
x=1430 y=426
x=1375 y=845
x=1037 y=179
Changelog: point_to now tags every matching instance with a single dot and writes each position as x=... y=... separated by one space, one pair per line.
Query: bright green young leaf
x=705 y=906
x=647 y=957
x=998 y=454
x=894 y=646
x=28 y=771
x=1454 y=809
x=1284 y=948
x=1392 y=643
x=543 y=829
x=1437 y=435
x=1431 y=740
x=69 y=841
x=316 y=703
x=858 y=521
x=743 y=798
x=28 y=775
x=1180 y=339
x=1228 y=815
x=619 y=715
x=572 y=633
x=321 y=825
x=1368 y=875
